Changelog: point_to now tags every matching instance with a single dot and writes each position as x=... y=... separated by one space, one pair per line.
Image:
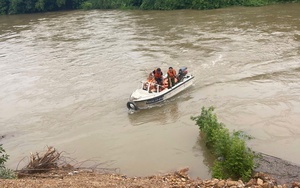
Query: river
x=65 y=79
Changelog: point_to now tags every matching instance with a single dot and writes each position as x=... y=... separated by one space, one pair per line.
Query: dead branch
x=51 y=159
x=42 y=162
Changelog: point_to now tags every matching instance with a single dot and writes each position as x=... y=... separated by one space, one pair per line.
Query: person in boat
x=158 y=76
x=150 y=77
x=171 y=77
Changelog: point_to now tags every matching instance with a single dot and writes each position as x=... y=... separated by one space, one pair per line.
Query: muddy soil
x=283 y=171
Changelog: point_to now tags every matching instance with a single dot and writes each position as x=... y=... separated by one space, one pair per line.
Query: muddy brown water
x=65 y=78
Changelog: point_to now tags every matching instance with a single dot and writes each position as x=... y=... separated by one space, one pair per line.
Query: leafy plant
x=235 y=159
x=86 y=5
x=255 y=3
x=3 y=156
x=5 y=173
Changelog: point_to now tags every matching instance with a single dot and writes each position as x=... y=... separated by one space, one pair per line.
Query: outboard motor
x=181 y=73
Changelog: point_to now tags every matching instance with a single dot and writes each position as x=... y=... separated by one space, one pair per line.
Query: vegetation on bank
x=5 y=173
x=33 y=6
x=234 y=159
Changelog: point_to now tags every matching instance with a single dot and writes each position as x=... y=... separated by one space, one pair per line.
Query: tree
x=47 y=5
x=4 y=5
x=16 y=7
x=29 y=6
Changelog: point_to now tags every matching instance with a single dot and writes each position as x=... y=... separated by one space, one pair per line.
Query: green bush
x=3 y=156
x=234 y=159
x=5 y=173
x=255 y=3
x=147 y=4
x=86 y=6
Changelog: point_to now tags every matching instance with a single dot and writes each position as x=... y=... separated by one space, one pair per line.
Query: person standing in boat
x=171 y=77
x=158 y=76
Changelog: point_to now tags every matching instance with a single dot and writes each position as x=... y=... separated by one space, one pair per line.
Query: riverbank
x=84 y=178
x=272 y=172
x=283 y=171
x=19 y=8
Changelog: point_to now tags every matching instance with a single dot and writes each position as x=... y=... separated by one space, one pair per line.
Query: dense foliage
x=234 y=159
x=32 y=6
x=5 y=173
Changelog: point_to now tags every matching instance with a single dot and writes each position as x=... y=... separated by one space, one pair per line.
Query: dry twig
x=42 y=162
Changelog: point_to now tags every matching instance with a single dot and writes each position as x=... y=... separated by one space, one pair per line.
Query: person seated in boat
x=153 y=87
x=171 y=77
x=150 y=77
x=145 y=85
x=158 y=76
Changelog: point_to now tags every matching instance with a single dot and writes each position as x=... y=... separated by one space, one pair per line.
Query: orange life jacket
x=157 y=74
x=172 y=74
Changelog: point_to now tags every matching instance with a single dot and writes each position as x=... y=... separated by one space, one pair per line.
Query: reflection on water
x=161 y=114
x=200 y=145
x=65 y=78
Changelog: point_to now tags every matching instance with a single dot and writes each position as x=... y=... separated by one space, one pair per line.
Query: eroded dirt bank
x=74 y=179
x=271 y=173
